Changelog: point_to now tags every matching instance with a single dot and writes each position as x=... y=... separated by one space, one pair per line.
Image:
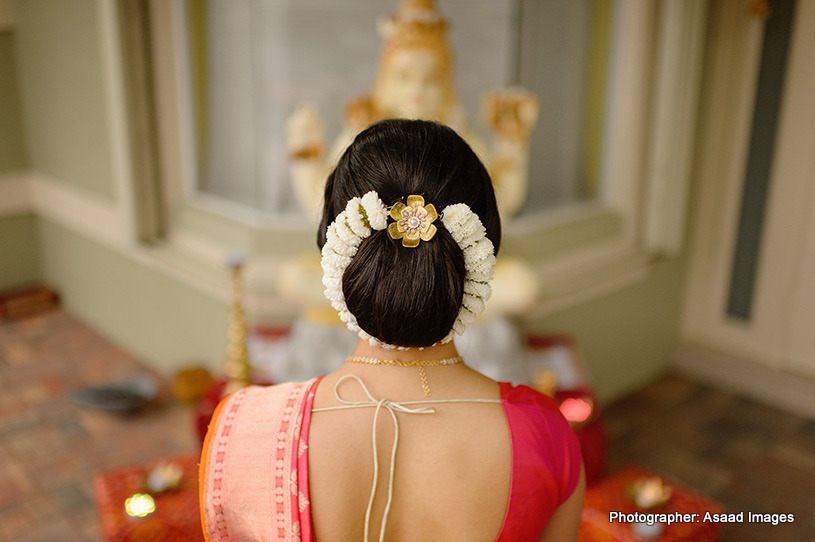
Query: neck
x=430 y=353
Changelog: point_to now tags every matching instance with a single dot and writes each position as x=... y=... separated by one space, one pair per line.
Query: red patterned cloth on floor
x=612 y=496
x=176 y=518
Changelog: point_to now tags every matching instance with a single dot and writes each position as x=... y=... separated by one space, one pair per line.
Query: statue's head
x=415 y=70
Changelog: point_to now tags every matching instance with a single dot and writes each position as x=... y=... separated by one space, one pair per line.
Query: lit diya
x=649 y=492
x=577 y=410
x=140 y=505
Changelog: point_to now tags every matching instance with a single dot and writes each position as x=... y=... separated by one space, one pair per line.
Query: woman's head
x=408 y=296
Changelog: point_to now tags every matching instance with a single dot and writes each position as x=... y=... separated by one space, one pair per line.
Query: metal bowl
x=123 y=397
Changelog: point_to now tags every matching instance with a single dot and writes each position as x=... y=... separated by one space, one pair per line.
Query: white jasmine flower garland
x=362 y=215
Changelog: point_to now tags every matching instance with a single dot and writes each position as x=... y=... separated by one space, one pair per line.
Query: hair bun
x=417 y=296
x=420 y=290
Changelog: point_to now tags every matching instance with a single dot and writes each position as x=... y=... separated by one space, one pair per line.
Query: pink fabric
x=259 y=466
x=546 y=461
x=250 y=465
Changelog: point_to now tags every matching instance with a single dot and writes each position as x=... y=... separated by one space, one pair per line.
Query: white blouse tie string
x=392 y=407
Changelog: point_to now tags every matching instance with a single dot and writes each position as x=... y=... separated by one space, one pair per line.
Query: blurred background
x=158 y=161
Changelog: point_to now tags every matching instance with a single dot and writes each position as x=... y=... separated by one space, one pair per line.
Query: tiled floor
x=746 y=456
x=49 y=447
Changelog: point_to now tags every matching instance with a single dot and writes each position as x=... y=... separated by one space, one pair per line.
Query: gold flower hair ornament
x=413 y=222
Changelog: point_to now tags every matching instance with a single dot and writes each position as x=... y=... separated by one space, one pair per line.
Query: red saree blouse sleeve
x=546 y=461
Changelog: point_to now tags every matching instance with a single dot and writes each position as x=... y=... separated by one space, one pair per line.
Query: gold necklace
x=421 y=364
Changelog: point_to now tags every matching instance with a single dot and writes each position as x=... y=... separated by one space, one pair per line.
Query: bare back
x=453 y=467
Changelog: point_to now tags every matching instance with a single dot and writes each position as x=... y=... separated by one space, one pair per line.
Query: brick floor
x=747 y=456
x=743 y=454
x=50 y=448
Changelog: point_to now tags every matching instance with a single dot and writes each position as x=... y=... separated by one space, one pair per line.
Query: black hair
x=409 y=296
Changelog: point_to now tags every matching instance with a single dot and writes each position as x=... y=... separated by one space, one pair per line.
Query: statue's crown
x=414 y=17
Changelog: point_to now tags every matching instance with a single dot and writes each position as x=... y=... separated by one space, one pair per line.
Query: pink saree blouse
x=254 y=465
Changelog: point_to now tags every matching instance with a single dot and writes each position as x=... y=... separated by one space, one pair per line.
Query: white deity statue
x=415 y=80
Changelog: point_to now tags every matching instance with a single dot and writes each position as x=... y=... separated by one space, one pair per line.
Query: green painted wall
x=12 y=148
x=61 y=85
x=19 y=251
x=19 y=247
x=626 y=337
x=160 y=319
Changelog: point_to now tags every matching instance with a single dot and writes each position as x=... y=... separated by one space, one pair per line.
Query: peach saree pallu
x=250 y=488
